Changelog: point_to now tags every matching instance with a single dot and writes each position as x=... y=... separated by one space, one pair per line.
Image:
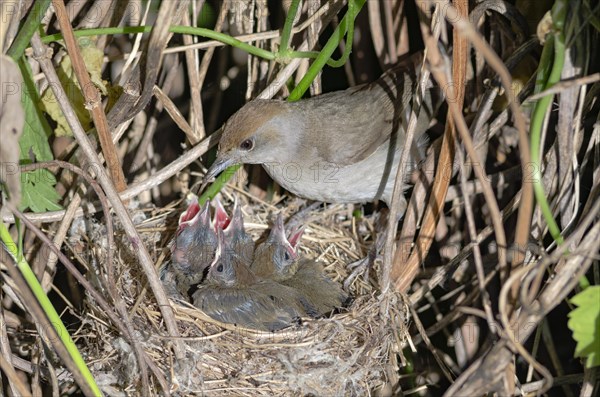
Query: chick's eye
x=220 y=268
x=247 y=144
x=286 y=256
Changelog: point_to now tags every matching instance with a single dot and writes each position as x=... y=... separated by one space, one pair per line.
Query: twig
x=526 y=208
x=93 y=99
x=173 y=111
x=465 y=29
x=536 y=386
x=204 y=68
x=404 y=273
x=132 y=58
x=472 y=229
x=312 y=36
x=283 y=76
x=564 y=85
x=196 y=118
x=432 y=349
x=6 y=355
x=389 y=32
x=392 y=221
x=59 y=237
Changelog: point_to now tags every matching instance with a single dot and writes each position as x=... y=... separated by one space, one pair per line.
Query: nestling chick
x=278 y=260
x=341 y=147
x=237 y=241
x=233 y=294
x=324 y=294
x=193 y=248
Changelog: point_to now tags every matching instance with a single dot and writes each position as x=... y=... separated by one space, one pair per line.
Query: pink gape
x=221 y=219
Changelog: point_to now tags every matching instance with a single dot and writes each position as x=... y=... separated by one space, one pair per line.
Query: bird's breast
x=364 y=181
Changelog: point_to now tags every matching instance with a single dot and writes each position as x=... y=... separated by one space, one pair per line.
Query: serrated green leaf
x=584 y=321
x=38 y=192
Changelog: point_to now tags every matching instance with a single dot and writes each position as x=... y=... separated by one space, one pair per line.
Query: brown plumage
x=322 y=293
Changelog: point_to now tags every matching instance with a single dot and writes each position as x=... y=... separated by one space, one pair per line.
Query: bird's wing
x=325 y=293
x=245 y=307
x=293 y=302
x=372 y=115
x=350 y=133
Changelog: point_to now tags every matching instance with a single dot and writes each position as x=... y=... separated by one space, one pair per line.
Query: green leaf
x=39 y=194
x=36 y=130
x=37 y=186
x=584 y=321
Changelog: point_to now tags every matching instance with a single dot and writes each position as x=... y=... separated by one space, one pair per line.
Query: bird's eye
x=286 y=256
x=247 y=144
x=220 y=268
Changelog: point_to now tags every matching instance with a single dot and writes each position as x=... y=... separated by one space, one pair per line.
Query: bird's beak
x=220 y=165
x=222 y=219
x=236 y=223
x=277 y=234
x=295 y=236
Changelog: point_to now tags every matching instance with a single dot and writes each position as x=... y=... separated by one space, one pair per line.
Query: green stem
x=287 y=28
x=545 y=65
x=352 y=12
x=37 y=12
x=327 y=51
x=540 y=109
x=48 y=308
x=218 y=184
x=203 y=32
x=313 y=55
x=99 y=32
x=225 y=39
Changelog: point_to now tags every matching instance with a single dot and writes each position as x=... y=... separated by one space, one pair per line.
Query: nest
x=352 y=352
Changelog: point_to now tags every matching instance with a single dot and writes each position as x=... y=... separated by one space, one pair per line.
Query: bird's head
x=224 y=270
x=221 y=273
x=195 y=241
x=279 y=252
x=263 y=131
